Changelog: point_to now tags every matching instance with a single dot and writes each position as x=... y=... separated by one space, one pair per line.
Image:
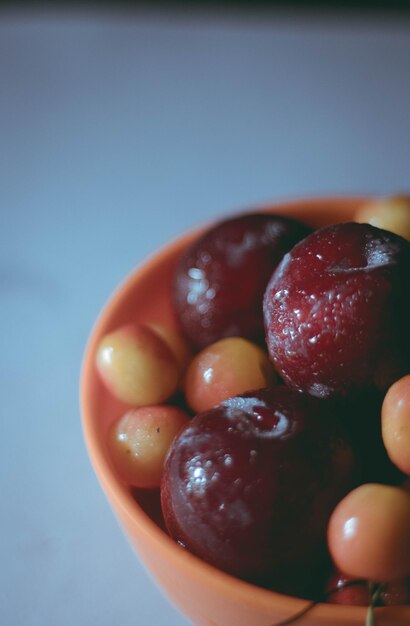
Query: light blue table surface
x=118 y=131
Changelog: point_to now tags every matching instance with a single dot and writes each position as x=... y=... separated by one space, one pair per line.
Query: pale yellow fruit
x=391 y=213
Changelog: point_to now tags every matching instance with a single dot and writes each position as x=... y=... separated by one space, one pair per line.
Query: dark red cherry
x=396 y=592
x=220 y=280
x=361 y=417
x=337 y=311
x=249 y=485
x=342 y=589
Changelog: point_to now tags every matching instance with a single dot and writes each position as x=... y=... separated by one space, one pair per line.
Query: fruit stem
x=374 y=592
x=370 y=616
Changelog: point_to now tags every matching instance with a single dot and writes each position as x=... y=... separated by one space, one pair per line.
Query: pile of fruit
x=274 y=424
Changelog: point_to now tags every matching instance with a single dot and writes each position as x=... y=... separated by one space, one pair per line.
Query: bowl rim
x=147 y=529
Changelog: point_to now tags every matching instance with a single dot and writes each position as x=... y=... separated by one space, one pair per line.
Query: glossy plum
x=249 y=485
x=337 y=311
x=220 y=279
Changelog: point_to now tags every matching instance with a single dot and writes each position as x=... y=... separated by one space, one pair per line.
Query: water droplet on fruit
x=198 y=480
x=196 y=273
x=319 y=390
x=205 y=258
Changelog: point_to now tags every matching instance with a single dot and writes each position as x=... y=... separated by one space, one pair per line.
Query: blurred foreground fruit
x=390 y=213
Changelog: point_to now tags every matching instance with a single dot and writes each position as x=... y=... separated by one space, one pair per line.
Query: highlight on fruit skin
x=140 y=365
x=224 y=369
x=396 y=423
x=369 y=533
x=390 y=213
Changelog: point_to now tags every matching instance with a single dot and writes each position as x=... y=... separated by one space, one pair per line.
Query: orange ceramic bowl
x=205 y=595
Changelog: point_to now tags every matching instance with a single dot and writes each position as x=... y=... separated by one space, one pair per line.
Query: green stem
x=374 y=592
x=370 y=616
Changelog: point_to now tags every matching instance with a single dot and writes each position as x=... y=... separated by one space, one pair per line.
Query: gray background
x=117 y=132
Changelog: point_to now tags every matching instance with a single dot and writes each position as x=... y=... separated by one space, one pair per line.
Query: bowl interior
x=146 y=296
